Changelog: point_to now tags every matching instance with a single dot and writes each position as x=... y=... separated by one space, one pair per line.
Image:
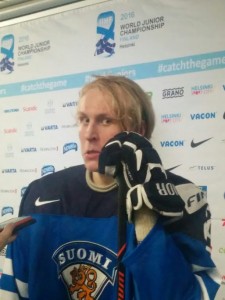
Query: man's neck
x=101 y=180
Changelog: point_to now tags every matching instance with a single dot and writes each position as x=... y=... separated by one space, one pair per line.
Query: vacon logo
x=105 y=46
x=69 y=146
x=48 y=169
x=202 y=89
x=171 y=118
x=30 y=149
x=7 y=54
x=175 y=143
x=203 y=116
x=49 y=127
x=173 y=93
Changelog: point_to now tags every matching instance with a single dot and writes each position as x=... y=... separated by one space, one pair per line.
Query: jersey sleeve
x=160 y=270
x=175 y=257
x=12 y=288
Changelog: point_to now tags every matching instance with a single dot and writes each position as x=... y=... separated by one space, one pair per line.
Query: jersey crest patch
x=85 y=268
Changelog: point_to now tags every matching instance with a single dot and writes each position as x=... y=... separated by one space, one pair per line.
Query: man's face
x=97 y=124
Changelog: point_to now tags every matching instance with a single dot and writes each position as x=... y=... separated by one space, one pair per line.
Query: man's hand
x=133 y=156
x=7 y=236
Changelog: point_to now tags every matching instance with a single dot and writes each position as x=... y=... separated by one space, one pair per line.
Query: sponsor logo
x=9 y=151
x=175 y=143
x=29 y=108
x=172 y=168
x=10 y=130
x=50 y=109
x=67 y=126
x=23 y=190
x=203 y=116
x=196 y=144
x=34 y=48
x=105 y=46
x=70 y=104
x=69 y=146
x=30 y=149
x=9 y=171
x=196 y=200
x=11 y=110
x=47 y=170
x=10 y=191
x=7 y=54
x=29 y=129
x=171 y=118
x=203 y=168
x=49 y=127
x=28 y=170
x=48 y=149
x=7 y=210
x=202 y=89
x=44 y=202
x=204 y=188
x=85 y=268
x=173 y=93
x=131 y=31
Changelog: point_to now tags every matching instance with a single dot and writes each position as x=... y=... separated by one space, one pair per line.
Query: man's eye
x=83 y=120
x=106 y=121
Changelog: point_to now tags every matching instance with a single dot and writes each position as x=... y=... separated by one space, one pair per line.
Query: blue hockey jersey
x=71 y=251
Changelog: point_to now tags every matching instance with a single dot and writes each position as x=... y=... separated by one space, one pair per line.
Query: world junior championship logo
x=105 y=46
x=7 y=54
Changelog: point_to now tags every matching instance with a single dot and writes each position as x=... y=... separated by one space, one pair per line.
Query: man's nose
x=91 y=130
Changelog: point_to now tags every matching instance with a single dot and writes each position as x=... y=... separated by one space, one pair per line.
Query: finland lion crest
x=85 y=268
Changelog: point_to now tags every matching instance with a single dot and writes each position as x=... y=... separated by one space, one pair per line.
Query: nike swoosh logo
x=194 y=145
x=39 y=203
x=170 y=169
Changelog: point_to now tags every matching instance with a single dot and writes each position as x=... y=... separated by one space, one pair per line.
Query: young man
x=71 y=251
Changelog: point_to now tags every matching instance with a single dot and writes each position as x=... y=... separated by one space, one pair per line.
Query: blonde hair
x=131 y=104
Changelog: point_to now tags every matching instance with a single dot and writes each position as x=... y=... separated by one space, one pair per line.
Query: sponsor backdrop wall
x=175 y=50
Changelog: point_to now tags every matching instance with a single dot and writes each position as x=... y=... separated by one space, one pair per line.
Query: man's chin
x=91 y=166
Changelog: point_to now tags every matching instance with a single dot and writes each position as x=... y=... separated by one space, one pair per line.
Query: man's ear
x=143 y=128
